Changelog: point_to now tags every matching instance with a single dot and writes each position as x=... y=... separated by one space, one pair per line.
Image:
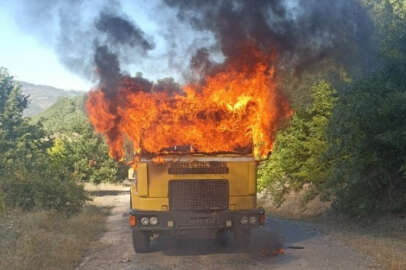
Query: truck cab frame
x=194 y=196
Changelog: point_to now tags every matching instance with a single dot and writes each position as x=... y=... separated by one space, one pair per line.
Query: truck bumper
x=182 y=222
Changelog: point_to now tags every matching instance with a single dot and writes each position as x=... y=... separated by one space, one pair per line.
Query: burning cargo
x=236 y=109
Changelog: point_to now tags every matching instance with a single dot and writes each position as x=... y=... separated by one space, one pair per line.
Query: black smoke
x=99 y=40
x=108 y=69
x=302 y=32
x=120 y=31
x=122 y=40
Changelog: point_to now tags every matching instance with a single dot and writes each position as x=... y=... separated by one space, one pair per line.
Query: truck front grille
x=198 y=167
x=198 y=194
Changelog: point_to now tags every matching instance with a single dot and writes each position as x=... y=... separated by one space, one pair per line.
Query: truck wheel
x=141 y=241
x=242 y=237
x=221 y=238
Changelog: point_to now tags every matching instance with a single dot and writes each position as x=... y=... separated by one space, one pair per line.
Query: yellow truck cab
x=194 y=196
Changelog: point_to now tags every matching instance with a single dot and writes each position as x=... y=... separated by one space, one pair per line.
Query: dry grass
x=295 y=205
x=48 y=240
x=383 y=239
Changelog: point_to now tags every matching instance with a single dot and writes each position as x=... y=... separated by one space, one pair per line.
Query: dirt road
x=114 y=249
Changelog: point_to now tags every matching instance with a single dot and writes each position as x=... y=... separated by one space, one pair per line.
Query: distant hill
x=43 y=96
x=63 y=114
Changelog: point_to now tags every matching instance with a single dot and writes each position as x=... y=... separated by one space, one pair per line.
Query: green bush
x=77 y=146
x=44 y=192
x=297 y=157
x=367 y=139
x=85 y=154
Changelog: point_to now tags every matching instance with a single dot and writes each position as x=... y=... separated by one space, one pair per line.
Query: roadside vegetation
x=346 y=142
x=45 y=219
x=76 y=145
x=48 y=239
x=344 y=149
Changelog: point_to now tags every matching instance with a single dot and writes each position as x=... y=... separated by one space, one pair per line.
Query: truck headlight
x=244 y=220
x=153 y=220
x=253 y=220
x=144 y=221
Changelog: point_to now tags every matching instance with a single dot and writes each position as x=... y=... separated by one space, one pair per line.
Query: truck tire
x=141 y=241
x=242 y=237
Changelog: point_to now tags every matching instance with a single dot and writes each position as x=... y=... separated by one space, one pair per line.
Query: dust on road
x=114 y=249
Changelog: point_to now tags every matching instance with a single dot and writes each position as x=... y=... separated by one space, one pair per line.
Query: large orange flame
x=237 y=109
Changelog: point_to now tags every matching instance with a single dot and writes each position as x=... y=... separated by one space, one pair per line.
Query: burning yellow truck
x=195 y=196
x=236 y=108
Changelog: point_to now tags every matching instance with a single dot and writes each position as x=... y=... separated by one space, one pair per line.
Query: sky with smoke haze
x=31 y=46
x=29 y=60
x=77 y=44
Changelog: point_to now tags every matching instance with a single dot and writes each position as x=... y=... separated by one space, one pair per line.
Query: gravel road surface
x=317 y=251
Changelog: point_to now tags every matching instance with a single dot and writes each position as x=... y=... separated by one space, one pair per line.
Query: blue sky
x=28 y=59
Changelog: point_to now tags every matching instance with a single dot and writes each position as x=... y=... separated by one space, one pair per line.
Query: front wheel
x=221 y=238
x=242 y=237
x=141 y=241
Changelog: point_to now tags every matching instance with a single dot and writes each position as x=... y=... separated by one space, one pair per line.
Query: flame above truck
x=236 y=108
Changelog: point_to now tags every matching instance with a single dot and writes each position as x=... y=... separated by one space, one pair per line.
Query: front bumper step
x=192 y=220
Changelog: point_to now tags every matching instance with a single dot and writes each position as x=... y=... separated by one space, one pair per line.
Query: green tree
x=390 y=21
x=297 y=157
x=367 y=131
x=63 y=115
x=78 y=148
x=21 y=143
x=85 y=154
x=367 y=139
x=28 y=177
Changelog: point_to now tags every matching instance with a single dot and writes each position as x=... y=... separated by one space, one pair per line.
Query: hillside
x=63 y=113
x=43 y=96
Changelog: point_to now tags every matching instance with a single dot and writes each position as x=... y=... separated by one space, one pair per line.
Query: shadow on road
x=265 y=244
x=262 y=243
x=276 y=235
x=263 y=248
